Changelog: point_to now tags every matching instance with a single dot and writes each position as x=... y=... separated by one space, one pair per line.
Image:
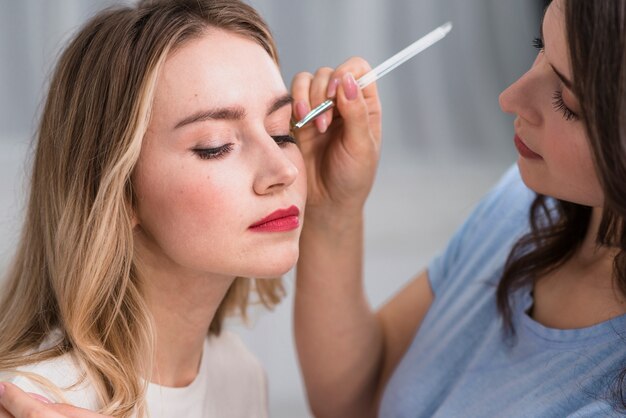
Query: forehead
x=220 y=68
x=554 y=37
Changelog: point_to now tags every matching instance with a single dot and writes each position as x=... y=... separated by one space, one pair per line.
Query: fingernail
x=301 y=109
x=39 y=397
x=321 y=123
x=350 y=88
x=1 y=389
x=331 y=91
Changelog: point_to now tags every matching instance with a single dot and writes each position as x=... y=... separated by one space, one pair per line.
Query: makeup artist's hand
x=15 y=403
x=341 y=151
x=341 y=148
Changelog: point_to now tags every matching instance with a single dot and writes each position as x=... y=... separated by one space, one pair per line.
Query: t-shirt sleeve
x=505 y=205
x=58 y=379
x=29 y=386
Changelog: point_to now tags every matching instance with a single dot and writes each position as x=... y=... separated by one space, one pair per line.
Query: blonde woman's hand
x=15 y=403
x=341 y=148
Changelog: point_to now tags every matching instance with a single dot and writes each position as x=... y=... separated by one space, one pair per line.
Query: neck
x=183 y=305
x=590 y=252
x=182 y=320
x=581 y=292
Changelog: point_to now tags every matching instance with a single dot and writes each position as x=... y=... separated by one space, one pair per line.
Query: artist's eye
x=284 y=139
x=213 y=153
x=560 y=106
x=538 y=43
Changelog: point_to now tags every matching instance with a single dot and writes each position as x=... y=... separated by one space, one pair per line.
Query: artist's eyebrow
x=564 y=79
x=232 y=113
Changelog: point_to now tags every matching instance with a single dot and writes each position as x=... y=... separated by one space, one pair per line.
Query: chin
x=275 y=271
x=273 y=267
x=534 y=181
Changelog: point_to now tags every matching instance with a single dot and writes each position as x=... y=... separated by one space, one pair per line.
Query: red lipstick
x=524 y=151
x=278 y=221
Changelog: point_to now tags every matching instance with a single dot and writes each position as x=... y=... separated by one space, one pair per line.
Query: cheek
x=587 y=178
x=301 y=181
x=187 y=210
x=571 y=159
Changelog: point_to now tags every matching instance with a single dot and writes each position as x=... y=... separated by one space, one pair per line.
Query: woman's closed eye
x=560 y=106
x=213 y=153
x=557 y=98
x=223 y=150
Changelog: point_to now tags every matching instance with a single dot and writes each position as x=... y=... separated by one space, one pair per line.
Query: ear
x=131 y=206
x=134 y=220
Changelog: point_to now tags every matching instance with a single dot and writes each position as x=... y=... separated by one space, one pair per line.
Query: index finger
x=358 y=67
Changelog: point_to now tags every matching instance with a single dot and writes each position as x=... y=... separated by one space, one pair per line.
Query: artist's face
x=555 y=156
x=216 y=160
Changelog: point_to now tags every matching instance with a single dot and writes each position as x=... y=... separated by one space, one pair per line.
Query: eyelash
x=284 y=139
x=221 y=152
x=560 y=106
x=213 y=153
x=557 y=97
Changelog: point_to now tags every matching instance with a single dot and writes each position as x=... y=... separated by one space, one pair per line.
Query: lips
x=278 y=221
x=524 y=151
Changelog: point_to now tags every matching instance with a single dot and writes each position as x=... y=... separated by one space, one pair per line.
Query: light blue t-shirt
x=461 y=365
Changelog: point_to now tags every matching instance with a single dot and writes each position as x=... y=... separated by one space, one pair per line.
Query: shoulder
x=59 y=379
x=509 y=198
x=227 y=349
x=503 y=210
x=228 y=363
x=502 y=213
x=485 y=238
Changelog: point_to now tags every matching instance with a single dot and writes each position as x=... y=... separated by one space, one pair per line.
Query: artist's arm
x=15 y=403
x=346 y=350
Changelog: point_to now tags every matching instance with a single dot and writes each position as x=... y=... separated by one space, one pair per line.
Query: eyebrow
x=232 y=113
x=564 y=79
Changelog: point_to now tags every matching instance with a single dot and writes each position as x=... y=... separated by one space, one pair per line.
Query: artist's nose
x=521 y=97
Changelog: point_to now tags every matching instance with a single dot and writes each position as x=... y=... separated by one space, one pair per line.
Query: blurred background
x=445 y=139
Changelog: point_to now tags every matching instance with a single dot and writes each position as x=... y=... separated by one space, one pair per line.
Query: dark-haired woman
x=519 y=316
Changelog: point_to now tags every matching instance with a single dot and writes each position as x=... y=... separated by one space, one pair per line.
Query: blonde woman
x=166 y=187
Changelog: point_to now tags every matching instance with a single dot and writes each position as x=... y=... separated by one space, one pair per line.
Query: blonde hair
x=75 y=269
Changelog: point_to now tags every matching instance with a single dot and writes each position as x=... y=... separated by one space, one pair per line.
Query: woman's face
x=554 y=153
x=216 y=161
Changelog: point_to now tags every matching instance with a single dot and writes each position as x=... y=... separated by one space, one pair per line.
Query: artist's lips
x=524 y=150
x=278 y=221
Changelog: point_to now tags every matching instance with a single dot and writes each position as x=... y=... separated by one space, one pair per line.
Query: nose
x=275 y=170
x=521 y=98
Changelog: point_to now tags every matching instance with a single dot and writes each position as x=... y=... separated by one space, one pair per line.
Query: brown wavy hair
x=596 y=34
x=75 y=270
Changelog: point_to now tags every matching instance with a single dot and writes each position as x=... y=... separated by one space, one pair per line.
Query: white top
x=230 y=383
